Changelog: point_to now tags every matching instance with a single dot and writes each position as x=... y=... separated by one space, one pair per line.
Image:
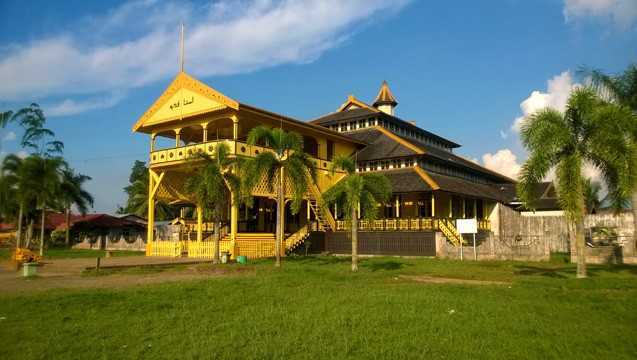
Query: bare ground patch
x=443 y=280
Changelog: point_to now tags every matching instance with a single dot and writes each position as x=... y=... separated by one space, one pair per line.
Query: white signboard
x=467 y=226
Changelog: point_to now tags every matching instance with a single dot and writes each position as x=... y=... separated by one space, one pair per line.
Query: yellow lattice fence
x=163 y=248
x=201 y=249
x=255 y=249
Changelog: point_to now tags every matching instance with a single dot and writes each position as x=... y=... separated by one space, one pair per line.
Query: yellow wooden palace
x=430 y=183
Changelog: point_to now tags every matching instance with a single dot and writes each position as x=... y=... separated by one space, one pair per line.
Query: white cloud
x=137 y=44
x=504 y=161
x=621 y=12
x=73 y=107
x=22 y=154
x=10 y=136
x=556 y=96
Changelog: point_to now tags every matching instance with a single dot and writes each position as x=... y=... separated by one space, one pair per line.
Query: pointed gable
x=185 y=96
x=354 y=103
x=385 y=97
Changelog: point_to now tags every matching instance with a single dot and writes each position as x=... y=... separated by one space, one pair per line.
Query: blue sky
x=466 y=70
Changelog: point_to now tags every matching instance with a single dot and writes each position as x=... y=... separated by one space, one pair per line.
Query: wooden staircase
x=324 y=217
x=450 y=232
x=295 y=240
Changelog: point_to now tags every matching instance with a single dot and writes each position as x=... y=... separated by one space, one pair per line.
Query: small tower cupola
x=385 y=100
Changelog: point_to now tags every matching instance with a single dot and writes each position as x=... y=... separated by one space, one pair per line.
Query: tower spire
x=181 y=48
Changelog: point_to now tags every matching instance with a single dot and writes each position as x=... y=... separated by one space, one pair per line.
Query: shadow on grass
x=385 y=265
x=592 y=270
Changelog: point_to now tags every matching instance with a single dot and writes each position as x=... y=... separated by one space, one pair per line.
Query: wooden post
x=235 y=127
x=433 y=204
x=397 y=204
x=464 y=208
x=205 y=132
x=199 y=224
x=177 y=137
x=151 y=213
x=450 y=206
x=234 y=221
x=152 y=142
x=475 y=208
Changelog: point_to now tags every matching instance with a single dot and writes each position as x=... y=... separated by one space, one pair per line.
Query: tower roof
x=385 y=97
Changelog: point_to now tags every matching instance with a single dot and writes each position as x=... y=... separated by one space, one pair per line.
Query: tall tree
x=621 y=89
x=45 y=178
x=137 y=191
x=357 y=191
x=36 y=137
x=211 y=186
x=72 y=193
x=287 y=165
x=16 y=188
x=587 y=132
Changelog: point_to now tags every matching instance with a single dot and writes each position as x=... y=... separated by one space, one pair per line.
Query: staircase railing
x=323 y=214
x=294 y=240
x=450 y=231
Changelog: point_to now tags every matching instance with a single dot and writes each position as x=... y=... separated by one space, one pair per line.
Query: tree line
x=39 y=182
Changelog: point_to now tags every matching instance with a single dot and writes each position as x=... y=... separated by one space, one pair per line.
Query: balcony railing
x=178 y=154
x=414 y=224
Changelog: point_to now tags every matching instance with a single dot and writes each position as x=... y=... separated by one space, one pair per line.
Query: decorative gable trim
x=351 y=100
x=184 y=81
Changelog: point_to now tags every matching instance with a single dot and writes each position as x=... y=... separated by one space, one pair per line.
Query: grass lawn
x=315 y=308
x=5 y=253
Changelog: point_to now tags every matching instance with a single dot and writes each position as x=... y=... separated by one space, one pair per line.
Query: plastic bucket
x=29 y=269
x=224 y=257
x=242 y=259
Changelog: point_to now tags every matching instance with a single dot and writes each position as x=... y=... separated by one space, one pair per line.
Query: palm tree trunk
x=634 y=206
x=280 y=204
x=29 y=233
x=67 y=235
x=215 y=257
x=18 y=234
x=354 y=239
x=42 y=232
x=580 y=245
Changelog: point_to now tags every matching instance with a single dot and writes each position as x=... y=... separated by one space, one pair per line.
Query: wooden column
x=205 y=132
x=464 y=208
x=235 y=127
x=450 y=206
x=177 y=138
x=199 y=223
x=397 y=204
x=433 y=205
x=152 y=142
x=150 y=224
x=475 y=208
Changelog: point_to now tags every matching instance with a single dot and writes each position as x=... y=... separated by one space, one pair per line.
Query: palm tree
x=357 y=191
x=72 y=193
x=45 y=178
x=137 y=202
x=212 y=185
x=36 y=137
x=591 y=195
x=16 y=185
x=287 y=163
x=621 y=89
x=5 y=117
x=567 y=141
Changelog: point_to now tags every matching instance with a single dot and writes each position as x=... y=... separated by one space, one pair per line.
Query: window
x=330 y=150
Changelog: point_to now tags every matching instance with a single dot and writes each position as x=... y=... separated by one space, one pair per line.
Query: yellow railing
x=450 y=231
x=414 y=224
x=163 y=248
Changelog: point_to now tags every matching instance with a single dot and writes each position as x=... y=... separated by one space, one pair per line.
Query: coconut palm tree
x=71 y=194
x=287 y=164
x=44 y=176
x=567 y=141
x=357 y=191
x=211 y=186
x=621 y=89
x=137 y=202
x=16 y=188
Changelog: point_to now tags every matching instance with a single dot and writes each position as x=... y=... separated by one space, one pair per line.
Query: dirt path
x=67 y=274
x=442 y=280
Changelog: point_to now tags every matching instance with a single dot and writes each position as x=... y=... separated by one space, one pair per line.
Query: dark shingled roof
x=406 y=180
x=469 y=188
x=380 y=146
x=544 y=193
x=343 y=115
x=450 y=157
